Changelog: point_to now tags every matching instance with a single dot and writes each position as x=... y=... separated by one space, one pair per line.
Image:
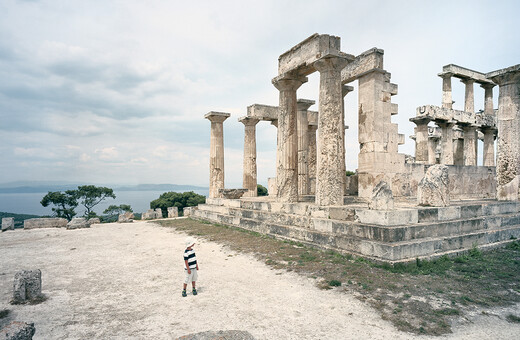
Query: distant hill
x=36 y=187
x=18 y=218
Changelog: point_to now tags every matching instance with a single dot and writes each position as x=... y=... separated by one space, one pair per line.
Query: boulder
x=27 y=286
x=382 y=197
x=173 y=212
x=77 y=223
x=7 y=223
x=53 y=222
x=433 y=189
x=127 y=217
x=218 y=335
x=17 y=330
x=94 y=220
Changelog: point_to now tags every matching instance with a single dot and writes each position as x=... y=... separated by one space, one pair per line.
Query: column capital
x=304 y=104
x=287 y=82
x=467 y=81
x=445 y=75
x=487 y=85
x=505 y=76
x=345 y=89
x=420 y=120
x=248 y=121
x=330 y=63
x=217 y=117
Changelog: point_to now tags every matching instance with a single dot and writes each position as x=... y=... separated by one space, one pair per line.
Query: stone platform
x=403 y=234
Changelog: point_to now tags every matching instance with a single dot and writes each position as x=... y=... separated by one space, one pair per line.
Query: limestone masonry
x=396 y=207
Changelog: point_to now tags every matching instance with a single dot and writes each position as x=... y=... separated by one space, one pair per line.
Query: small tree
x=179 y=200
x=261 y=190
x=91 y=195
x=64 y=202
x=116 y=210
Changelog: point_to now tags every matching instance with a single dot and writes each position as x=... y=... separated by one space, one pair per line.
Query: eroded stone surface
x=77 y=223
x=27 y=286
x=219 y=335
x=173 y=212
x=55 y=222
x=382 y=197
x=17 y=330
x=433 y=189
x=7 y=223
x=232 y=193
x=127 y=217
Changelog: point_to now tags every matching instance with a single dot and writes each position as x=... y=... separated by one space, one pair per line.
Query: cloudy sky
x=114 y=92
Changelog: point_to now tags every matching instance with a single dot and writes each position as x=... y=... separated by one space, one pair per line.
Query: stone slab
x=364 y=63
x=53 y=222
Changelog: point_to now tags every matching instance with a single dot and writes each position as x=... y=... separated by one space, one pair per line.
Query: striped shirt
x=189 y=255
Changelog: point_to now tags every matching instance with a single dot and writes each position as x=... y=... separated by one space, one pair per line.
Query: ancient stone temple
x=445 y=200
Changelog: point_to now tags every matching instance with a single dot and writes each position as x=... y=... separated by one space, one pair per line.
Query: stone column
x=216 y=153
x=458 y=146
x=446 y=142
x=303 y=145
x=469 y=98
x=421 y=139
x=249 y=177
x=312 y=158
x=508 y=123
x=447 y=101
x=287 y=141
x=330 y=181
x=433 y=141
x=488 y=98
x=345 y=89
x=489 y=146
x=470 y=144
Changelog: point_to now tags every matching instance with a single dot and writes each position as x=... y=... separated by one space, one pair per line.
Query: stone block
x=364 y=63
x=78 y=223
x=232 y=193
x=449 y=213
x=17 y=330
x=55 y=222
x=7 y=223
x=387 y=217
x=342 y=213
x=433 y=189
x=188 y=211
x=94 y=220
x=27 y=286
x=127 y=217
x=158 y=213
x=173 y=212
x=382 y=197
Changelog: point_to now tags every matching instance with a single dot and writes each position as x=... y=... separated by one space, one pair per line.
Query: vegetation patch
x=513 y=318
x=422 y=297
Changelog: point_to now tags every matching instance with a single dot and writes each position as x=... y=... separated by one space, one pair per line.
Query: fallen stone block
x=27 y=286
x=78 y=223
x=127 y=217
x=382 y=197
x=232 y=193
x=151 y=214
x=158 y=212
x=219 y=335
x=17 y=330
x=173 y=212
x=433 y=189
x=52 y=222
x=188 y=211
x=94 y=220
x=7 y=223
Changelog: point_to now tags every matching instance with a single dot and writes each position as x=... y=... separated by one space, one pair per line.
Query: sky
x=115 y=92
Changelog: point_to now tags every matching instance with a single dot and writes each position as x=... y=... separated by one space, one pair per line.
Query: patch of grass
x=448 y=311
x=513 y=318
x=335 y=283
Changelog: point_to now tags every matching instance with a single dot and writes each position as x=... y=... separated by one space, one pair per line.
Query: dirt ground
x=123 y=281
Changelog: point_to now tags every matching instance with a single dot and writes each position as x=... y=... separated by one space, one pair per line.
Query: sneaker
x=184 y=293
x=194 y=291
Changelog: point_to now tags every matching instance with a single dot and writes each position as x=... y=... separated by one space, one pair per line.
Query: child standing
x=190 y=266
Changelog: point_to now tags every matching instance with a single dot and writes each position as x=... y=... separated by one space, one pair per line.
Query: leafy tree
x=261 y=190
x=64 y=203
x=179 y=200
x=116 y=210
x=90 y=196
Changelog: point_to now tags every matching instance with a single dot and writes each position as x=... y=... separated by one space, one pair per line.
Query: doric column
x=249 y=176
x=287 y=141
x=345 y=89
x=446 y=142
x=447 y=101
x=470 y=144
x=421 y=139
x=489 y=146
x=469 y=98
x=508 y=123
x=303 y=145
x=488 y=98
x=331 y=131
x=458 y=146
x=313 y=127
x=216 y=152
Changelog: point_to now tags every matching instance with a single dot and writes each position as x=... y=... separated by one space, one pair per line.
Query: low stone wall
x=35 y=223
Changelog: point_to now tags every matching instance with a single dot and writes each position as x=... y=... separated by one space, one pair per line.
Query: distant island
x=36 y=187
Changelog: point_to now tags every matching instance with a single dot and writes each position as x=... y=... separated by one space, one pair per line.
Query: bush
x=261 y=190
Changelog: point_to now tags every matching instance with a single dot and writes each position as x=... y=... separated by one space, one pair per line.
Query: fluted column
x=287 y=143
x=421 y=139
x=303 y=145
x=447 y=101
x=249 y=176
x=508 y=123
x=489 y=146
x=216 y=153
x=312 y=158
x=446 y=142
x=488 y=98
x=331 y=131
x=469 y=97
x=470 y=144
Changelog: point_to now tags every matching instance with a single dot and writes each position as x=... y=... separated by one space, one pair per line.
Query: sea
x=29 y=203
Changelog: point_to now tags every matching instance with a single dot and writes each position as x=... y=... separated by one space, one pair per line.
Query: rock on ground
x=17 y=330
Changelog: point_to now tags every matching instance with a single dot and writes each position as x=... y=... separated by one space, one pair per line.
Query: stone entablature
x=433 y=113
